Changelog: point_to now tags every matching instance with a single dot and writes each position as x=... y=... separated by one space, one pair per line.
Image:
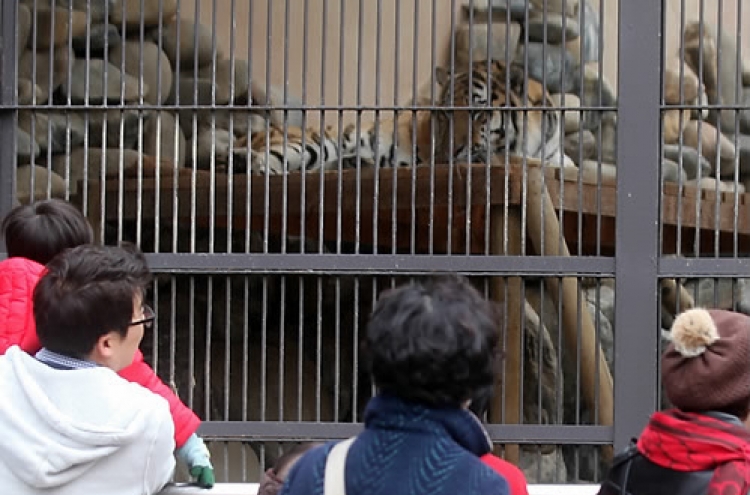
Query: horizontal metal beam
x=266 y=431
x=379 y=264
x=704 y=267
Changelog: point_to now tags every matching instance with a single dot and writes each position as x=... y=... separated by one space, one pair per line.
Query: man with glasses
x=69 y=424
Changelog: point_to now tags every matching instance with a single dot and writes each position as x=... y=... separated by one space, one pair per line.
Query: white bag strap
x=334 y=481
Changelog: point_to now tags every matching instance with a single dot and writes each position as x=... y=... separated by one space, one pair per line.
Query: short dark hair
x=41 y=230
x=435 y=342
x=87 y=292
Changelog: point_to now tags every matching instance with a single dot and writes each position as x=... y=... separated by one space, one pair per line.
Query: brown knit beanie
x=707 y=364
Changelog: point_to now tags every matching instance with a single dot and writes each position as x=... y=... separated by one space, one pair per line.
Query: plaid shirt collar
x=61 y=362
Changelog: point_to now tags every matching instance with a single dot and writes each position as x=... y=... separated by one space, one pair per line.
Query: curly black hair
x=435 y=343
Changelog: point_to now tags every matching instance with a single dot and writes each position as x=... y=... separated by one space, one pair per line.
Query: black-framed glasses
x=148 y=318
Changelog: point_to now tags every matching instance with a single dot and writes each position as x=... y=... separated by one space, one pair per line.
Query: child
x=36 y=233
x=69 y=424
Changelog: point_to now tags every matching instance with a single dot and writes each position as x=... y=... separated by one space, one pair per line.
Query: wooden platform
x=419 y=208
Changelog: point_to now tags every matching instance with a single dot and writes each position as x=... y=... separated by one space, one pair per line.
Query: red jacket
x=18 y=277
x=514 y=476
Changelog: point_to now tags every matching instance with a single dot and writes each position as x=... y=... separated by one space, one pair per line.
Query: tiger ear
x=442 y=75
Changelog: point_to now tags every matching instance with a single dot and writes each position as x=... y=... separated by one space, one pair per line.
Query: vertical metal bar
x=639 y=86
x=7 y=100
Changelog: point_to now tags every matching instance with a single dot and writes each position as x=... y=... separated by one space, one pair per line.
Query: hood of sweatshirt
x=54 y=425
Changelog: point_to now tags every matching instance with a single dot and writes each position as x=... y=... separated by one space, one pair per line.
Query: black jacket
x=633 y=474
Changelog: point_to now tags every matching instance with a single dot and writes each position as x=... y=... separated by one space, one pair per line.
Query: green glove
x=204 y=476
x=198 y=459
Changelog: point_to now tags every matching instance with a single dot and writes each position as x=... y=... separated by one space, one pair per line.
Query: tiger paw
x=260 y=163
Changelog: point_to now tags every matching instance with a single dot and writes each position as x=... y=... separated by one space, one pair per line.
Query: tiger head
x=480 y=120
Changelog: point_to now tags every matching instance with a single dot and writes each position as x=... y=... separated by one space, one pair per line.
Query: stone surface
x=26 y=148
x=588 y=20
x=82 y=160
x=29 y=92
x=473 y=39
x=596 y=91
x=109 y=128
x=673 y=122
x=593 y=171
x=60 y=59
x=53 y=131
x=712 y=184
x=693 y=163
x=711 y=143
x=56 y=26
x=129 y=12
x=163 y=139
x=182 y=50
x=223 y=77
x=566 y=7
x=680 y=84
x=608 y=144
x=722 y=293
x=671 y=172
x=551 y=64
x=24 y=26
x=41 y=180
x=555 y=27
x=189 y=91
x=275 y=96
x=580 y=146
x=101 y=38
x=147 y=60
x=119 y=86
x=572 y=118
x=95 y=9
x=742 y=143
x=518 y=10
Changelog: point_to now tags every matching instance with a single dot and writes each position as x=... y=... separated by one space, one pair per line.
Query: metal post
x=7 y=103
x=638 y=179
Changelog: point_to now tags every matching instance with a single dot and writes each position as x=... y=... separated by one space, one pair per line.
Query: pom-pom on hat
x=707 y=364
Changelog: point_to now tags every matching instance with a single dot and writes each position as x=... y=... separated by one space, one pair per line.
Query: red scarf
x=695 y=442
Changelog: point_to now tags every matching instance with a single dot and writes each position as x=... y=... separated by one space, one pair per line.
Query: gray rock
x=693 y=163
x=588 y=17
x=163 y=138
x=37 y=179
x=119 y=86
x=608 y=144
x=581 y=146
x=102 y=37
x=53 y=131
x=87 y=163
x=730 y=294
x=518 y=10
x=106 y=128
x=182 y=50
x=552 y=28
x=37 y=66
x=742 y=146
x=24 y=22
x=26 y=148
x=147 y=62
x=95 y=9
x=551 y=64
x=671 y=172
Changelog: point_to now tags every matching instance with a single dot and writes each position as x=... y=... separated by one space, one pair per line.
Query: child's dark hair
x=41 y=230
x=87 y=292
x=436 y=342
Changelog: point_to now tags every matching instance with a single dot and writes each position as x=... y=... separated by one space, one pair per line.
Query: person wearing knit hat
x=702 y=445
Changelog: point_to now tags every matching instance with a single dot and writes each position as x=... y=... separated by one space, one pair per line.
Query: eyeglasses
x=148 y=318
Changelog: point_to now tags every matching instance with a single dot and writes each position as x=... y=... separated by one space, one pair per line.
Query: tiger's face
x=485 y=119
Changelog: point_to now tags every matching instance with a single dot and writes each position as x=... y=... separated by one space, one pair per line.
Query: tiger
x=303 y=151
x=484 y=122
x=493 y=124
x=471 y=123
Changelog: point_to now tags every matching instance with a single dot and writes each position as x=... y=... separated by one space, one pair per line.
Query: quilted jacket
x=18 y=276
